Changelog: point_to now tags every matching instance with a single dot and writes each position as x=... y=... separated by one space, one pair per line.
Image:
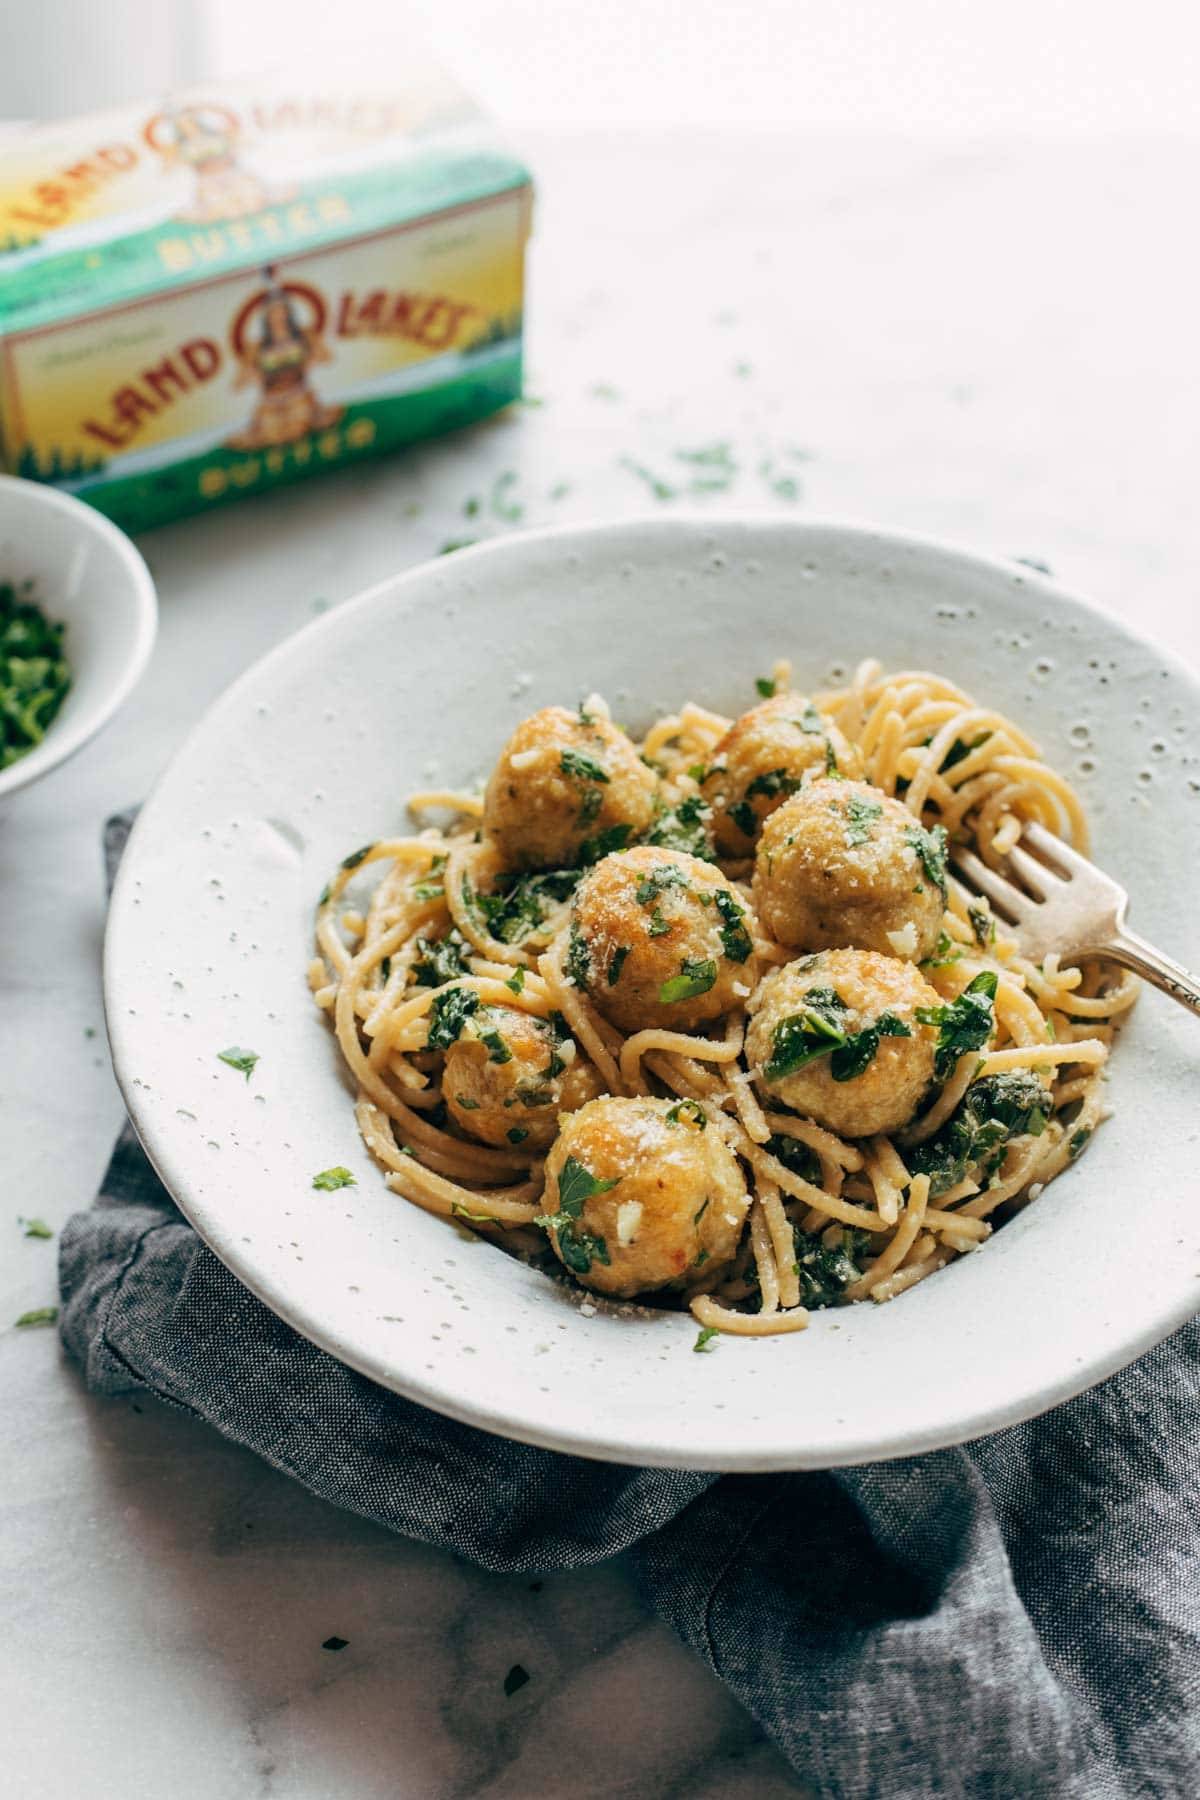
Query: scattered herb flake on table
x=34 y=673
x=35 y=1228
x=41 y=1315
x=330 y=1179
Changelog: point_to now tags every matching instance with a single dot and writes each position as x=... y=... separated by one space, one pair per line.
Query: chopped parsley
x=696 y=976
x=772 y=784
x=464 y=1212
x=983 y=925
x=35 y=1228
x=831 y=761
x=685 y=828
x=825 y=1271
x=734 y=936
x=34 y=673
x=440 y=960
x=41 y=1315
x=965 y=1024
x=520 y=904
x=993 y=1110
x=930 y=847
x=617 y=964
x=516 y=1134
x=860 y=816
x=467 y=1104
x=577 y=1247
x=497 y=1049
x=744 y=817
x=582 y=768
x=448 y=1014
x=959 y=751
x=689 y=1109
x=516 y=981
x=1074 y=1148
x=660 y=878
x=357 y=856
x=658 y=926
x=330 y=1179
x=705 y=1337
x=241 y=1060
x=820 y=1031
x=810 y=721
x=765 y=686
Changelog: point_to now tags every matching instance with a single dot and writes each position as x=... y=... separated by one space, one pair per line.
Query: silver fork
x=1069 y=905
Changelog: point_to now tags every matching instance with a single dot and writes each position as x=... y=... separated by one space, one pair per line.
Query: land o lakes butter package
x=211 y=296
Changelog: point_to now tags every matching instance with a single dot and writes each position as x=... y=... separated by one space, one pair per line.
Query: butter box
x=211 y=296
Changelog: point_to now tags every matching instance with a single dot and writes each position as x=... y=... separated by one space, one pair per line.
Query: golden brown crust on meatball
x=764 y=757
x=793 y=1013
x=563 y=779
x=840 y=863
x=659 y=938
x=510 y=1075
x=649 y=1193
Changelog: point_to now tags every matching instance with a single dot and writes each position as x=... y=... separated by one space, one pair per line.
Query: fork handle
x=1135 y=953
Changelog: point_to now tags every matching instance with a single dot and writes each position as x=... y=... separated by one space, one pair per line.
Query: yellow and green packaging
x=214 y=295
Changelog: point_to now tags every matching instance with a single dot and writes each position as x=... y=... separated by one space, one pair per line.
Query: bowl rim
x=875 y=1443
x=60 y=745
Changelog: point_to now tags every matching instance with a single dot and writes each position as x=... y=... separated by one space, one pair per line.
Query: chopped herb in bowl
x=34 y=673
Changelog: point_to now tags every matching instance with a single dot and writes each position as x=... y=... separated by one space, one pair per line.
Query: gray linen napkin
x=1019 y=1617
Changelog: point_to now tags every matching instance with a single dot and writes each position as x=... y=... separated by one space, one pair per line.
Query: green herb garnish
x=357 y=856
x=577 y=1247
x=993 y=1110
x=705 y=1337
x=765 y=686
x=820 y=1031
x=945 y=952
x=660 y=878
x=685 y=828
x=497 y=1049
x=41 y=1315
x=695 y=977
x=965 y=1024
x=594 y=850
x=337 y=1177
x=516 y=981
x=448 y=1013
x=796 y=1156
x=582 y=768
x=617 y=964
x=825 y=1270
x=688 y=1109
x=34 y=674
x=440 y=960
x=516 y=1134
x=860 y=818
x=930 y=847
x=578 y=961
x=1074 y=1148
x=983 y=925
x=35 y=1228
x=734 y=936
x=241 y=1060
x=658 y=926
x=520 y=904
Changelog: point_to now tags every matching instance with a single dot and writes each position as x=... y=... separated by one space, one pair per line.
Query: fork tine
x=1007 y=899
x=1040 y=880
x=1056 y=851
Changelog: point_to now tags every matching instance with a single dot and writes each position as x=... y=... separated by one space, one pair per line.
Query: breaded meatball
x=841 y=863
x=660 y=938
x=836 y=1037
x=509 y=1076
x=563 y=779
x=649 y=1194
x=763 y=757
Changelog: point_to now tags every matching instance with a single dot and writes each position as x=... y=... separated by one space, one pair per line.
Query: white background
x=1049 y=66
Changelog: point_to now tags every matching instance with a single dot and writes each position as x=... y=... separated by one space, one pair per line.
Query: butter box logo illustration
x=220 y=293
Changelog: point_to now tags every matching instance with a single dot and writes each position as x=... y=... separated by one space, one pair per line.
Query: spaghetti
x=855 y=1111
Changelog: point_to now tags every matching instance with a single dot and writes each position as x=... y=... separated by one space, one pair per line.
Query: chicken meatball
x=643 y=1194
x=509 y=1075
x=564 y=779
x=836 y=1037
x=660 y=938
x=764 y=757
x=841 y=863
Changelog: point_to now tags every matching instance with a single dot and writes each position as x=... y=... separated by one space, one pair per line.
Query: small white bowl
x=87 y=574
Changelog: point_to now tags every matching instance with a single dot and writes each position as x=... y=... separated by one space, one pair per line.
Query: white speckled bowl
x=309 y=755
x=87 y=574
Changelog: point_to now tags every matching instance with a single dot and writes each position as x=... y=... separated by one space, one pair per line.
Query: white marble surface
x=992 y=342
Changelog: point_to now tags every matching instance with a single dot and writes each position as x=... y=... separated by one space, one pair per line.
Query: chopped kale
x=577 y=1247
x=820 y=1031
x=826 y=1271
x=516 y=1134
x=734 y=936
x=772 y=784
x=448 y=1014
x=488 y=1035
x=594 y=850
x=660 y=878
x=964 y=1024
x=520 y=904
x=1074 y=1148
x=993 y=1110
x=945 y=952
x=658 y=926
x=983 y=925
x=440 y=960
x=688 y=1109
x=930 y=847
x=959 y=751
x=685 y=828
x=765 y=686
x=858 y=1052
x=516 y=981
x=696 y=976
x=357 y=856
x=579 y=961
x=796 y=1156
x=744 y=817
x=617 y=964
